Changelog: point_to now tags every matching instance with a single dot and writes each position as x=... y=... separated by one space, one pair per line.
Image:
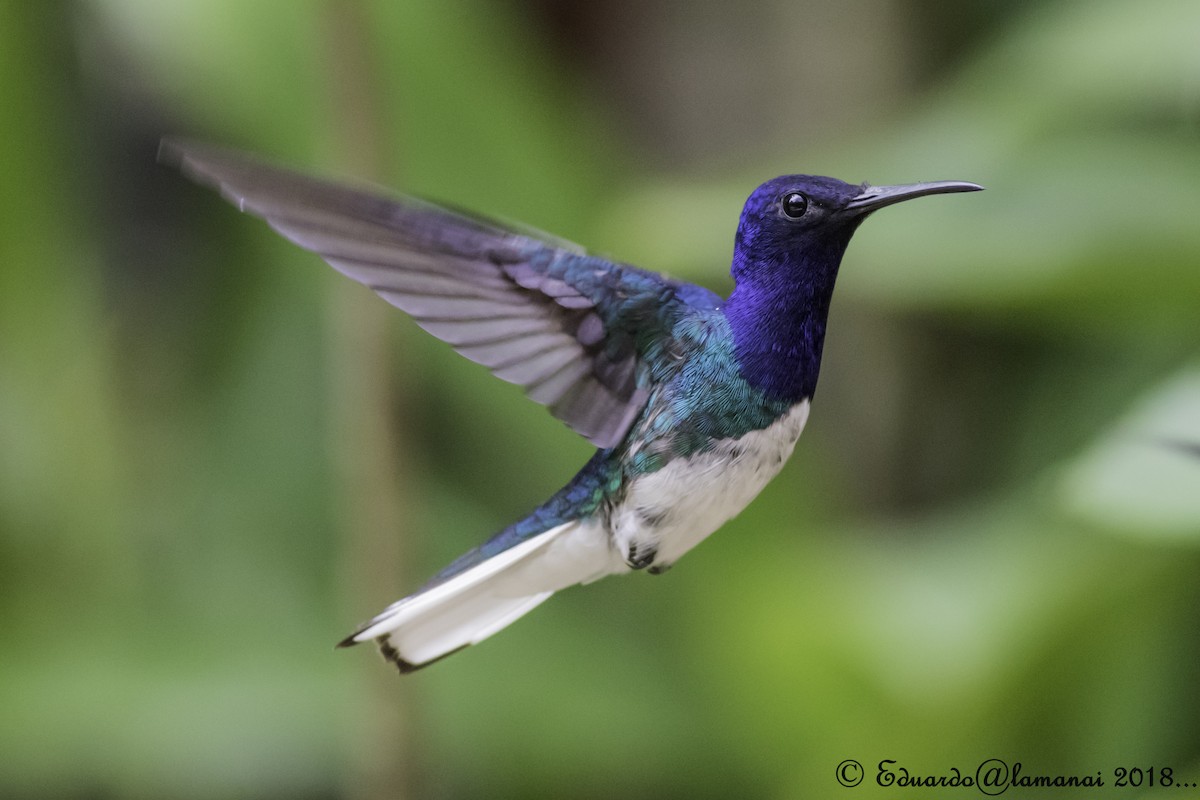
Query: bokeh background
x=217 y=456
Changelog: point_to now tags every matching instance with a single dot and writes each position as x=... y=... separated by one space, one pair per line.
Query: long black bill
x=873 y=198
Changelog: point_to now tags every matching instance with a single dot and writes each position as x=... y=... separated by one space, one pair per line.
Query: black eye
x=794 y=205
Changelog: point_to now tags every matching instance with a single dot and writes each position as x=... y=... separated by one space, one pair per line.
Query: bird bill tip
x=872 y=198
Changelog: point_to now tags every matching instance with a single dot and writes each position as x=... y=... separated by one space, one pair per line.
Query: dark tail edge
x=406 y=667
x=349 y=641
x=393 y=655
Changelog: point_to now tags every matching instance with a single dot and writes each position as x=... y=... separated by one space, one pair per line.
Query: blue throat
x=777 y=313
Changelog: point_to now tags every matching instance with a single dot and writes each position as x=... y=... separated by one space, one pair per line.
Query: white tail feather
x=471 y=606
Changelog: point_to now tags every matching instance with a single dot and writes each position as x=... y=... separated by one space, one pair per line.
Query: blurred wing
x=537 y=312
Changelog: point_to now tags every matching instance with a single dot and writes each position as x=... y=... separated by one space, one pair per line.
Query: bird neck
x=777 y=315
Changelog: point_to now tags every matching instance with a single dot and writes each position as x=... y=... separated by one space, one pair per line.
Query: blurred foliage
x=986 y=546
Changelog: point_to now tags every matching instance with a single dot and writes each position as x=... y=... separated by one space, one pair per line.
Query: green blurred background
x=217 y=456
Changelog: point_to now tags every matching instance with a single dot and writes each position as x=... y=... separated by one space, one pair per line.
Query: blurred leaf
x=1143 y=477
x=62 y=471
x=251 y=68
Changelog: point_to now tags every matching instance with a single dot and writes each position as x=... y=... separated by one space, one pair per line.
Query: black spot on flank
x=638 y=559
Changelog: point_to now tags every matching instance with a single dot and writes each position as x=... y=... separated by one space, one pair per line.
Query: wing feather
x=538 y=312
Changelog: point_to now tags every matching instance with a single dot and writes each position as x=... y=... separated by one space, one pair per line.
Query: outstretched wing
x=569 y=327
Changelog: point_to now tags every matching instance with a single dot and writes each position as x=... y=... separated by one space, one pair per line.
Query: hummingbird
x=693 y=401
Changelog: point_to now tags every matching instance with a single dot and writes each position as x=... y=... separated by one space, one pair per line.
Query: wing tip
x=196 y=161
x=181 y=153
x=170 y=151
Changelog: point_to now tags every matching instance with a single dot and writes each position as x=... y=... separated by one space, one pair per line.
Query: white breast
x=672 y=510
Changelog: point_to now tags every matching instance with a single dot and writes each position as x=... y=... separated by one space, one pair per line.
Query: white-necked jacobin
x=694 y=401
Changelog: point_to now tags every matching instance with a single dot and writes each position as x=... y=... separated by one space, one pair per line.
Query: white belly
x=672 y=510
x=664 y=514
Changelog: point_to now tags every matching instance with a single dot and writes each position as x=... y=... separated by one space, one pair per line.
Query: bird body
x=695 y=402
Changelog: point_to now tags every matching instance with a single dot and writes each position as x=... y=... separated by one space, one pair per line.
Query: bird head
x=789 y=245
x=806 y=221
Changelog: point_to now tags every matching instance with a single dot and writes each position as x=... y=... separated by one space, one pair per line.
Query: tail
x=471 y=605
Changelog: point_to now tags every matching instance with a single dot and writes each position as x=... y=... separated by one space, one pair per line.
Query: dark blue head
x=793 y=232
x=790 y=217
